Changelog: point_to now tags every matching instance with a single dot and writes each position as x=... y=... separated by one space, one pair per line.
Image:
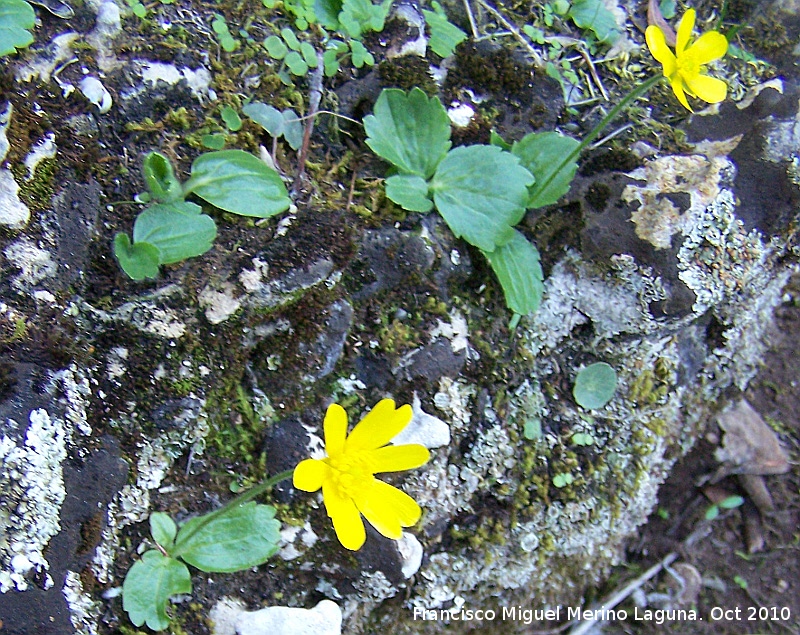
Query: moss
x=37 y=193
x=407 y=72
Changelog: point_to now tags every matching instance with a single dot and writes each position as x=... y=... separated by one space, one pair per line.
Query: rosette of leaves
x=17 y=17
x=244 y=537
x=481 y=191
x=174 y=229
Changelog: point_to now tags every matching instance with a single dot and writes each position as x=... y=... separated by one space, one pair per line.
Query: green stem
x=242 y=498
x=612 y=114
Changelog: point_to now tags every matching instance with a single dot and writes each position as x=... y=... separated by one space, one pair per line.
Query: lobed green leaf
x=445 y=36
x=16 y=18
x=410 y=192
x=481 y=192
x=409 y=130
x=242 y=538
x=542 y=153
x=238 y=182
x=148 y=586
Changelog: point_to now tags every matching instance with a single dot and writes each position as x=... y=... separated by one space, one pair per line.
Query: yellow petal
x=708 y=47
x=396 y=458
x=708 y=89
x=335 y=427
x=657 y=44
x=685 y=28
x=677 y=88
x=309 y=475
x=388 y=509
x=379 y=427
x=345 y=517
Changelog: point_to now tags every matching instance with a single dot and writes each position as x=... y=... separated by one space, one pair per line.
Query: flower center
x=688 y=66
x=351 y=474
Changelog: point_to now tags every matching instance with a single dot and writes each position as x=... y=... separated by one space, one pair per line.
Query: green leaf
x=16 y=17
x=275 y=47
x=327 y=13
x=562 y=480
x=238 y=182
x=712 y=512
x=411 y=131
x=148 y=586
x=231 y=119
x=595 y=385
x=214 y=141
x=582 y=439
x=138 y=260
x=593 y=15
x=309 y=54
x=163 y=529
x=290 y=38
x=409 y=191
x=731 y=502
x=361 y=55
x=496 y=140
x=360 y=16
x=445 y=36
x=242 y=538
x=266 y=116
x=542 y=153
x=296 y=64
x=517 y=267
x=481 y=192
x=178 y=230
x=293 y=129
x=533 y=429
x=160 y=179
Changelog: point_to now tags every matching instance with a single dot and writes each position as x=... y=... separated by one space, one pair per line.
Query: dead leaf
x=750 y=446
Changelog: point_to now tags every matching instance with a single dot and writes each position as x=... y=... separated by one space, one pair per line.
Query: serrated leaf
x=481 y=192
x=160 y=179
x=148 y=586
x=242 y=538
x=327 y=13
x=16 y=17
x=445 y=36
x=178 y=230
x=293 y=129
x=517 y=267
x=409 y=191
x=542 y=153
x=593 y=15
x=238 y=182
x=595 y=385
x=411 y=131
x=163 y=529
x=138 y=260
x=266 y=116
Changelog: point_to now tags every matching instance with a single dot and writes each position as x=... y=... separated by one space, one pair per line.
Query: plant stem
x=242 y=498
x=612 y=114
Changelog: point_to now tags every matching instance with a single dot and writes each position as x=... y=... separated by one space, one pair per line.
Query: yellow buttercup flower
x=685 y=67
x=347 y=474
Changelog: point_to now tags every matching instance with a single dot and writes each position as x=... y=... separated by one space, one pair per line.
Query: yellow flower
x=347 y=474
x=684 y=69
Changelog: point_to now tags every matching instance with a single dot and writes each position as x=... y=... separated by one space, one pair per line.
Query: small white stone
x=93 y=89
x=411 y=552
x=21 y=564
x=45 y=149
x=324 y=619
x=424 y=429
x=460 y=114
